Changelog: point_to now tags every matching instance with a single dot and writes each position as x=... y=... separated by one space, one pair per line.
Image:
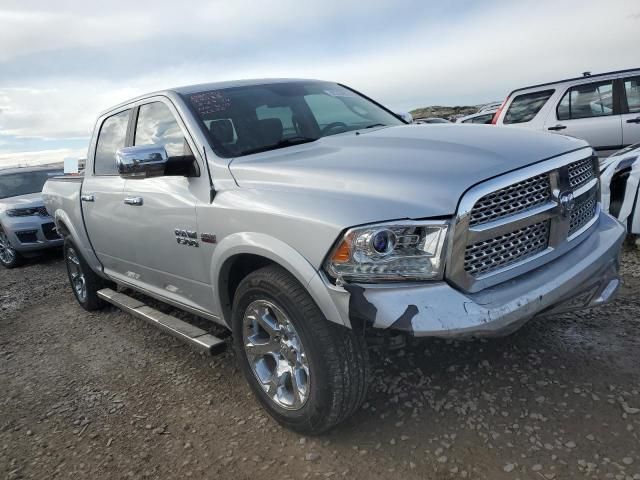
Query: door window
x=525 y=107
x=156 y=125
x=585 y=101
x=485 y=119
x=112 y=136
x=632 y=91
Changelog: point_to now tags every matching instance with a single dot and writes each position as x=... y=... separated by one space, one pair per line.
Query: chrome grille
x=583 y=211
x=513 y=199
x=503 y=250
x=522 y=220
x=581 y=172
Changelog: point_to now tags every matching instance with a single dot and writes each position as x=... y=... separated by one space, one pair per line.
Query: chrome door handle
x=133 y=201
x=88 y=198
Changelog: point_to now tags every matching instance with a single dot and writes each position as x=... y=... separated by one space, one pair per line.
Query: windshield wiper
x=285 y=142
x=375 y=125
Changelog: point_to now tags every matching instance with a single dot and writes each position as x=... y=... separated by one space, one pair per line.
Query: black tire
x=337 y=356
x=92 y=282
x=10 y=258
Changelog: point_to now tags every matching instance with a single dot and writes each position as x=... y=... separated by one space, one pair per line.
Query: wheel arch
x=238 y=255
x=67 y=229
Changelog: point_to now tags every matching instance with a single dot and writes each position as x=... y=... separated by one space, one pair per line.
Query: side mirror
x=148 y=161
x=406 y=116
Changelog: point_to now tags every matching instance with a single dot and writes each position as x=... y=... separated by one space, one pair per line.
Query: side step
x=194 y=336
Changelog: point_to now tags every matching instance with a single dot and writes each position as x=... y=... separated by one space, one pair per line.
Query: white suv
x=602 y=109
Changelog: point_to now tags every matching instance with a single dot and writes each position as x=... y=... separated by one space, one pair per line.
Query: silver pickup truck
x=303 y=216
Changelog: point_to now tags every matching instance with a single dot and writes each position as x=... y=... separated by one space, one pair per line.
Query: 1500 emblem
x=186 y=237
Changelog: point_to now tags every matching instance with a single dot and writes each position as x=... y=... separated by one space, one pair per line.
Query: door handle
x=634 y=120
x=557 y=127
x=88 y=198
x=133 y=201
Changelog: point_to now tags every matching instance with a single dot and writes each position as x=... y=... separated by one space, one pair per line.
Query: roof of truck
x=235 y=83
x=203 y=87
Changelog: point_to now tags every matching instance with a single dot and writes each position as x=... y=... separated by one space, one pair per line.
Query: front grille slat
x=513 y=199
x=511 y=244
x=581 y=172
x=503 y=250
x=583 y=212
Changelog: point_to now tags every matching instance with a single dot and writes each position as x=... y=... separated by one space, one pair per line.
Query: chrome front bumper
x=584 y=277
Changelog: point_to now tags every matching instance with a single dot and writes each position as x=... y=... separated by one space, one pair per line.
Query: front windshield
x=23 y=183
x=257 y=118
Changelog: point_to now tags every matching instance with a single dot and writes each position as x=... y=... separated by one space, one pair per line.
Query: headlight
x=389 y=252
x=22 y=212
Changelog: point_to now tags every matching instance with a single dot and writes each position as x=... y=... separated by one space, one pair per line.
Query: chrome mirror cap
x=144 y=161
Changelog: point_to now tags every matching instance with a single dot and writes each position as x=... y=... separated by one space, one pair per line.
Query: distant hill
x=444 y=112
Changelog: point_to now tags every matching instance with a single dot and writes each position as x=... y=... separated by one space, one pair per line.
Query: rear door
x=630 y=86
x=103 y=194
x=162 y=210
x=589 y=111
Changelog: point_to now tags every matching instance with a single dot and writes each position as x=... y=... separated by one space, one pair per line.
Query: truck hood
x=29 y=200
x=409 y=171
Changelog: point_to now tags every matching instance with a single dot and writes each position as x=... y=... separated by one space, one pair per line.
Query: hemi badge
x=208 y=238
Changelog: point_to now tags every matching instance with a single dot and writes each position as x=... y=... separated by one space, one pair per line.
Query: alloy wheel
x=78 y=281
x=276 y=355
x=7 y=252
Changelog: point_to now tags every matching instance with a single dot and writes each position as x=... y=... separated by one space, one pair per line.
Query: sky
x=62 y=62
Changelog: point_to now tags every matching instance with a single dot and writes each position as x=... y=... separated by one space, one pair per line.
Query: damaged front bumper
x=584 y=277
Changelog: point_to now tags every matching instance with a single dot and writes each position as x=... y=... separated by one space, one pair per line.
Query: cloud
x=61 y=63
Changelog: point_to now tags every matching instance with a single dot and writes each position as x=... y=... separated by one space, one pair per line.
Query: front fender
x=278 y=252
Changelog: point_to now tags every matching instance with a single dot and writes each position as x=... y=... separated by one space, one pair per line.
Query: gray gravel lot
x=106 y=396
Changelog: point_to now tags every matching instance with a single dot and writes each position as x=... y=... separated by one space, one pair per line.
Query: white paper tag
x=71 y=166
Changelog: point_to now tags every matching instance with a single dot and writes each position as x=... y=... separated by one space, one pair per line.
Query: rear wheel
x=9 y=257
x=309 y=373
x=84 y=282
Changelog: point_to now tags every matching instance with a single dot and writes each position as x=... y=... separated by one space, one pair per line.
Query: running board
x=186 y=332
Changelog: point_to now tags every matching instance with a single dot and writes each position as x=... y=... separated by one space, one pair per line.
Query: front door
x=162 y=230
x=587 y=111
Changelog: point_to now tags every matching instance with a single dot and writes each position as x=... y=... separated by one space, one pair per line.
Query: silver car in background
x=25 y=226
x=603 y=109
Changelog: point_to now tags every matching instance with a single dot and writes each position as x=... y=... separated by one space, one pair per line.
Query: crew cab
x=26 y=229
x=304 y=216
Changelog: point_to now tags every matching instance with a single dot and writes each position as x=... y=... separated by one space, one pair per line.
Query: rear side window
x=157 y=126
x=632 y=90
x=525 y=107
x=585 y=101
x=113 y=135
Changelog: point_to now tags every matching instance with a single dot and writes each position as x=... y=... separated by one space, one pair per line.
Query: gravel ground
x=106 y=396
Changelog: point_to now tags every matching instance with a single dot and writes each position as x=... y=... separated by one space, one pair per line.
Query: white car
x=602 y=109
x=620 y=176
x=482 y=117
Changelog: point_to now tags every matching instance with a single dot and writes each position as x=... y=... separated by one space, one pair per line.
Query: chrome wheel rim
x=7 y=253
x=78 y=282
x=276 y=355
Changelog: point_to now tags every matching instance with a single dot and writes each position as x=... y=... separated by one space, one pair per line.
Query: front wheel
x=9 y=257
x=309 y=373
x=84 y=282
